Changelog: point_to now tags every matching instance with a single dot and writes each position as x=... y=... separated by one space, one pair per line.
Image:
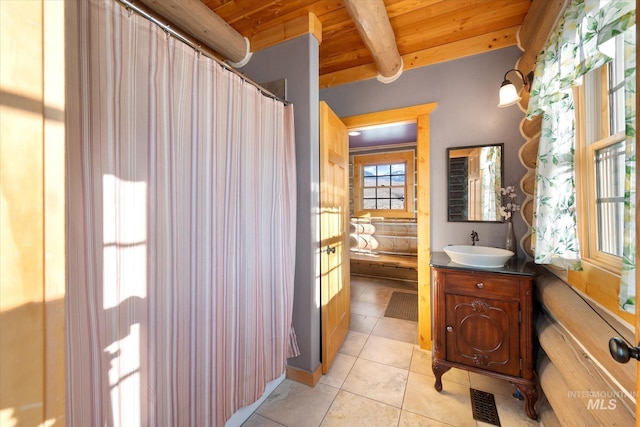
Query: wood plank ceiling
x=426 y=31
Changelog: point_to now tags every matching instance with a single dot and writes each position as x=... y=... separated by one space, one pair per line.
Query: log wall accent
x=585 y=378
x=546 y=416
x=575 y=359
x=569 y=411
x=576 y=372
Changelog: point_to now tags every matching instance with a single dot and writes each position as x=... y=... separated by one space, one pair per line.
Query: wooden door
x=334 y=218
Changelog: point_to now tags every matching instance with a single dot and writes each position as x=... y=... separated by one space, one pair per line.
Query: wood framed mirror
x=474 y=178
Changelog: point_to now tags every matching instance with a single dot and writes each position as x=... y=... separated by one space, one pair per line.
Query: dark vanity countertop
x=516 y=267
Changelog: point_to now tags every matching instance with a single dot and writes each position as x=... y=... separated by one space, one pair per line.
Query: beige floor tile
x=340 y=368
x=375 y=295
x=491 y=385
x=453 y=375
x=351 y=410
x=511 y=412
x=357 y=289
x=360 y=280
x=396 y=329
x=381 y=377
x=376 y=381
x=372 y=281
x=421 y=361
x=388 y=352
x=405 y=290
x=363 y=324
x=294 y=404
x=399 y=284
x=457 y=376
x=256 y=420
x=368 y=308
x=451 y=406
x=409 y=419
x=353 y=343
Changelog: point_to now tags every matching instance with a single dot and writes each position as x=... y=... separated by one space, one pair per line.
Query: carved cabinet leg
x=438 y=371
x=531 y=397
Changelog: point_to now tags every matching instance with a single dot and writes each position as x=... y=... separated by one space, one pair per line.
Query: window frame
x=586 y=168
x=594 y=254
x=390 y=157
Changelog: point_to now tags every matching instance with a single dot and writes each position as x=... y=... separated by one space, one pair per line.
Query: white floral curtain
x=490 y=169
x=181 y=229
x=575 y=48
x=627 y=295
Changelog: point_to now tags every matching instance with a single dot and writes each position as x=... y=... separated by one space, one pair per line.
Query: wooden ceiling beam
x=198 y=21
x=434 y=55
x=372 y=22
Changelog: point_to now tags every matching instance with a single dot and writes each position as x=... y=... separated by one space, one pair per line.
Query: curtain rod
x=198 y=48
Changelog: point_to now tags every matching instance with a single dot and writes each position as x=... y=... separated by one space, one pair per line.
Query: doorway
x=383 y=235
x=418 y=114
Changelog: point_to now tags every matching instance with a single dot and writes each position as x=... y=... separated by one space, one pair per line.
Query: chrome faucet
x=474 y=237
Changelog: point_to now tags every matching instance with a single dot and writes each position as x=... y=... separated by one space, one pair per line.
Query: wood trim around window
x=600 y=278
x=586 y=179
x=406 y=157
x=592 y=253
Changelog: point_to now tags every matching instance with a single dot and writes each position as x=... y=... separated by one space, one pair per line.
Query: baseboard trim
x=304 y=377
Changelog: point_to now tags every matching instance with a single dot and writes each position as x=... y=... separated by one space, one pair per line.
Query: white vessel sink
x=478 y=256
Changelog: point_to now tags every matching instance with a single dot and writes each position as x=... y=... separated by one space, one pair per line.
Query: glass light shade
x=508 y=94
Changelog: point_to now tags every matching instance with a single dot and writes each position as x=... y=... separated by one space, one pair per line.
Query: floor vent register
x=484 y=407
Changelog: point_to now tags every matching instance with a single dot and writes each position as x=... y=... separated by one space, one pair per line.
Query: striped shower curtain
x=181 y=229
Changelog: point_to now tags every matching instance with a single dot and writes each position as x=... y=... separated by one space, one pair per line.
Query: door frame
x=418 y=114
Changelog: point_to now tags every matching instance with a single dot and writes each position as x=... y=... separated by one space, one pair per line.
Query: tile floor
x=381 y=377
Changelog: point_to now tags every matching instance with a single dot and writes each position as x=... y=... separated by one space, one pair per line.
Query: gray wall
x=297 y=61
x=466 y=91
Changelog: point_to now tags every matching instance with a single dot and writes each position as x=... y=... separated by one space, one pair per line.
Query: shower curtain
x=180 y=229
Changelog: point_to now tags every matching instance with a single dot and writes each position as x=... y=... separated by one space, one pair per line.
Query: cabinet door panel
x=483 y=333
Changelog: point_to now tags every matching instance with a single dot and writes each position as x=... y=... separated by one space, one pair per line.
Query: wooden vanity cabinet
x=482 y=322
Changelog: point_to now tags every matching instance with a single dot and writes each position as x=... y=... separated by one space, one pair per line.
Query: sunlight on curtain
x=576 y=47
x=124 y=260
x=181 y=230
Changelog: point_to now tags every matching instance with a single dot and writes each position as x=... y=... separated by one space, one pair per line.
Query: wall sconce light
x=508 y=93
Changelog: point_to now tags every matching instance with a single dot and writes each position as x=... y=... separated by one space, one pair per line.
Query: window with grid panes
x=384 y=184
x=601 y=145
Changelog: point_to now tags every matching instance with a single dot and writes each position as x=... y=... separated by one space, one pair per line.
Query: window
x=384 y=184
x=601 y=156
x=609 y=197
